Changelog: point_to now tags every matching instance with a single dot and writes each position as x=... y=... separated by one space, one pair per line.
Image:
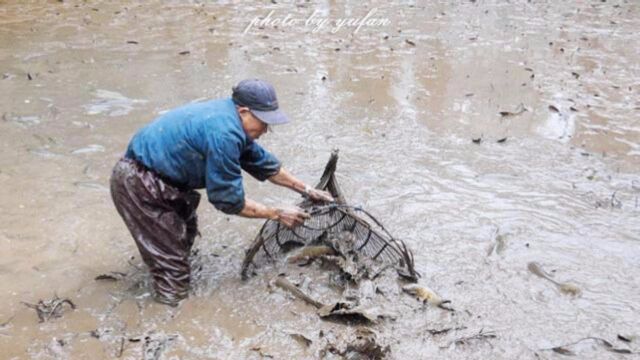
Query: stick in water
x=283 y=283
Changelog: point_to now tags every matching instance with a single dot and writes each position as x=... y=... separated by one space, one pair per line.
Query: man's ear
x=243 y=109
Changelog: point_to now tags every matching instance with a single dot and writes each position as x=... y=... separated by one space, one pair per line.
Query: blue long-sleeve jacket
x=203 y=145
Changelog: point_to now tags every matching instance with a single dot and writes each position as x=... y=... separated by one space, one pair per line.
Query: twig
x=121 y=349
x=444 y=331
x=615 y=203
x=2 y=325
x=481 y=335
x=286 y=285
x=59 y=302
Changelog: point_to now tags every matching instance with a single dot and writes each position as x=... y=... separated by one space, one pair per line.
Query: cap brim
x=274 y=117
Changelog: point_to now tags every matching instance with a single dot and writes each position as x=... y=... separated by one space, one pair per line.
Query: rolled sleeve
x=224 y=176
x=258 y=162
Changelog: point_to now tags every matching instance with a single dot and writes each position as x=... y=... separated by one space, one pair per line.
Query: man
x=201 y=145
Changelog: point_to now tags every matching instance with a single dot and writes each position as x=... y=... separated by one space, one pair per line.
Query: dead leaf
x=112 y=276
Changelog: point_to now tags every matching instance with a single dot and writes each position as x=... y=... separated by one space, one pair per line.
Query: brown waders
x=162 y=220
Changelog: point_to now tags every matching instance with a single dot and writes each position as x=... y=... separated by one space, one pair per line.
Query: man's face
x=253 y=127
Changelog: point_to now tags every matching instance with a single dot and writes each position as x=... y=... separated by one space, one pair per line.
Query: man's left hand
x=318 y=195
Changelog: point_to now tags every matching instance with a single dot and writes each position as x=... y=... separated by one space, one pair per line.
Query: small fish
x=565 y=288
x=424 y=294
x=311 y=252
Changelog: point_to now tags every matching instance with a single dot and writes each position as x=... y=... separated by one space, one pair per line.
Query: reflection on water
x=402 y=103
x=111 y=103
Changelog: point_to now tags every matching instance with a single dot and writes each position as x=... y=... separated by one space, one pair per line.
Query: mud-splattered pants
x=162 y=220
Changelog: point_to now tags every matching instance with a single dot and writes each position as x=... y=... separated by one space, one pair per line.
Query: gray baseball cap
x=260 y=97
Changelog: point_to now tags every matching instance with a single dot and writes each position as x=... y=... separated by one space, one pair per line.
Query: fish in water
x=424 y=294
x=565 y=288
x=311 y=252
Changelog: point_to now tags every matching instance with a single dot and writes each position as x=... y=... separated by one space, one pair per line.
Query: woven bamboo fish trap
x=371 y=239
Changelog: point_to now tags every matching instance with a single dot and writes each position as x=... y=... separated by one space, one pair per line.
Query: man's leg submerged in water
x=163 y=223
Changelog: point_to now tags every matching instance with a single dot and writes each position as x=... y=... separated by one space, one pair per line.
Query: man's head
x=257 y=106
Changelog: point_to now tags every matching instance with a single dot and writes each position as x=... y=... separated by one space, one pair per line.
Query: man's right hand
x=291 y=217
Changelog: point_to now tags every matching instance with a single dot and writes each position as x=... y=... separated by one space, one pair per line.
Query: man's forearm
x=290 y=217
x=286 y=179
x=254 y=209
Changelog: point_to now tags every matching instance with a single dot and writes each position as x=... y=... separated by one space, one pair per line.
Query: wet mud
x=486 y=135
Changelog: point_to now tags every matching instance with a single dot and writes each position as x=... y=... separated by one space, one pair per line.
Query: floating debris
x=6 y=323
x=363 y=345
x=50 y=309
x=564 y=349
x=498 y=245
x=444 y=330
x=111 y=276
x=349 y=312
x=261 y=352
x=409 y=42
x=301 y=339
x=519 y=110
x=565 y=288
x=626 y=338
x=155 y=344
x=481 y=335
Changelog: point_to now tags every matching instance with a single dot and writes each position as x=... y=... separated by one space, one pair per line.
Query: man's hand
x=284 y=178
x=291 y=217
x=317 y=195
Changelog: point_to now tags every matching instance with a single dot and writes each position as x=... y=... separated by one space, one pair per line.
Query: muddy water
x=401 y=101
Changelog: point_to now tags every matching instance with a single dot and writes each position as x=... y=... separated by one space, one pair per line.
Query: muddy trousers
x=162 y=220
